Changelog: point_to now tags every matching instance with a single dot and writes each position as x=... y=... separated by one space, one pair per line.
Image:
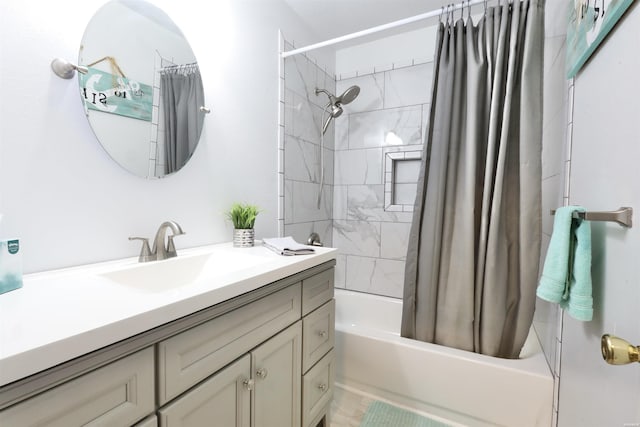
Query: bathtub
x=463 y=387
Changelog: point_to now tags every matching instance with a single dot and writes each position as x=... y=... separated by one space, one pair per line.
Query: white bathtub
x=460 y=386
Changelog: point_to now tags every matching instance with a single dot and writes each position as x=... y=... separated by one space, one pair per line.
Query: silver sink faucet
x=160 y=251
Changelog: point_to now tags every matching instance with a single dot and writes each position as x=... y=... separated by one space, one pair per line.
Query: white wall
x=604 y=175
x=61 y=193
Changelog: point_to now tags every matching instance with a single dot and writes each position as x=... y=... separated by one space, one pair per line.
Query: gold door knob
x=616 y=351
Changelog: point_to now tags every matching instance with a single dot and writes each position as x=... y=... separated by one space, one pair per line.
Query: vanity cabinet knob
x=248 y=384
x=323 y=334
x=322 y=386
x=262 y=373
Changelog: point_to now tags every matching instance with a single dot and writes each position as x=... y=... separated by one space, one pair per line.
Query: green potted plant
x=243 y=216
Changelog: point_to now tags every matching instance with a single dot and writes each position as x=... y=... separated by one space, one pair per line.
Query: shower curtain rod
x=372 y=30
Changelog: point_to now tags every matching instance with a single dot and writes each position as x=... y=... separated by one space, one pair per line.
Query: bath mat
x=380 y=414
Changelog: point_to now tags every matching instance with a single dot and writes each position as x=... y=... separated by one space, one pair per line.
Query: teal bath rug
x=380 y=414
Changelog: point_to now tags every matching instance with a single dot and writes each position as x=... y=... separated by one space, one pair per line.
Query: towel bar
x=622 y=216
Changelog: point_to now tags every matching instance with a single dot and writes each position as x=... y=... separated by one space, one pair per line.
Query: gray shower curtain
x=182 y=96
x=472 y=260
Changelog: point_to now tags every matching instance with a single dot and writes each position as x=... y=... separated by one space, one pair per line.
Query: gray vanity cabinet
x=261 y=389
x=262 y=359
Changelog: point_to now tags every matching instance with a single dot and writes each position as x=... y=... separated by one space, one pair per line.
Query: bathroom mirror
x=143 y=93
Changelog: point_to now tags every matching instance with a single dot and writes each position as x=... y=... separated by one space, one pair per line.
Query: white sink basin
x=173 y=273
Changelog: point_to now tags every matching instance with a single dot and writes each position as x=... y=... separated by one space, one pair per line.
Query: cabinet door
x=222 y=400
x=277 y=371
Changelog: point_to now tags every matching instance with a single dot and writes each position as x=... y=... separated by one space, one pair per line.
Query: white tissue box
x=10 y=265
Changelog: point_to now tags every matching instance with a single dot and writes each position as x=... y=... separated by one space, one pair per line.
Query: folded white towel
x=287 y=246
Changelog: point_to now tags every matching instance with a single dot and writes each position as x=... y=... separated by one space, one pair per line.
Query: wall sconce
x=65 y=69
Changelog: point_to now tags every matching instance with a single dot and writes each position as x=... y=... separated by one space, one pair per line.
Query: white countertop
x=62 y=314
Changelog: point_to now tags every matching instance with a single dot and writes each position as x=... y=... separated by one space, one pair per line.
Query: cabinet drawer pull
x=323 y=334
x=262 y=373
x=248 y=384
x=322 y=387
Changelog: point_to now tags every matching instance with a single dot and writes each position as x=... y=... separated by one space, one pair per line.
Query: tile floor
x=348 y=408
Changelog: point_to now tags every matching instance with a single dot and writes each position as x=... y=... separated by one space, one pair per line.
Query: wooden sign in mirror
x=143 y=93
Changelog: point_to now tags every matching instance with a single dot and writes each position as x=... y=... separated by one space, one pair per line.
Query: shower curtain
x=472 y=260
x=182 y=96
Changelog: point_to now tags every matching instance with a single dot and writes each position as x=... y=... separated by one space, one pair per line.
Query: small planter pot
x=243 y=238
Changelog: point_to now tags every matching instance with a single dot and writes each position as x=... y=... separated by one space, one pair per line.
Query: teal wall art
x=589 y=23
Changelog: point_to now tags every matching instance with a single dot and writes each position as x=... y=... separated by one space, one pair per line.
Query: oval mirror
x=143 y=93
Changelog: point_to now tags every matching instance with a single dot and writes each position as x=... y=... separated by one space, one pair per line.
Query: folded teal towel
x=566 y=276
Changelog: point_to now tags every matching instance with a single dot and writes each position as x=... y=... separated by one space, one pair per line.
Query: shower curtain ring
x=441 y=13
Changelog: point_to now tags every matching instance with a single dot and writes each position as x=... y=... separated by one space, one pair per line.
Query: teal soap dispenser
x=10 y=264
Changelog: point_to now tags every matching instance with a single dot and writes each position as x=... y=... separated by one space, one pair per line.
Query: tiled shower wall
x=382 y=129
x=303 y=118
x=372 y=154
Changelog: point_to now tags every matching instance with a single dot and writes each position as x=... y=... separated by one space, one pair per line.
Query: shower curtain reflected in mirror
x=472 y=260
x=182 y=96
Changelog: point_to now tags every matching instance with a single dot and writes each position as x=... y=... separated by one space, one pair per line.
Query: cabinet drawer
x=316 y=290
x=118 y=394
x=318 y=334
x=317 y=389
x=188 y=358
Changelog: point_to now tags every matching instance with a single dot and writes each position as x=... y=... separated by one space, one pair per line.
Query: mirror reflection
x=143 y=93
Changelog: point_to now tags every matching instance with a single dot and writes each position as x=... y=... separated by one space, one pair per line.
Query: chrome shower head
x=349 y=95
x=334 y=107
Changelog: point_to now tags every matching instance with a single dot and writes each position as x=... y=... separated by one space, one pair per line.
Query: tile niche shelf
x=401 y=170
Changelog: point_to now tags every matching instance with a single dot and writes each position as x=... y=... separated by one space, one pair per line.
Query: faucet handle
x=145 y=252
x=171 y=247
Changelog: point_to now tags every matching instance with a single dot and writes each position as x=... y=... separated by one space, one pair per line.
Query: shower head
x=349 y=95
x=334 y=107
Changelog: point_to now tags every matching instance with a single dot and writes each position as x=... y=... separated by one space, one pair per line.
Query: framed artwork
x=589 y=23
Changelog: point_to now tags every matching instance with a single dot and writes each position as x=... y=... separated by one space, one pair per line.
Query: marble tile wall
x=390 y=114
x=302 y=117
